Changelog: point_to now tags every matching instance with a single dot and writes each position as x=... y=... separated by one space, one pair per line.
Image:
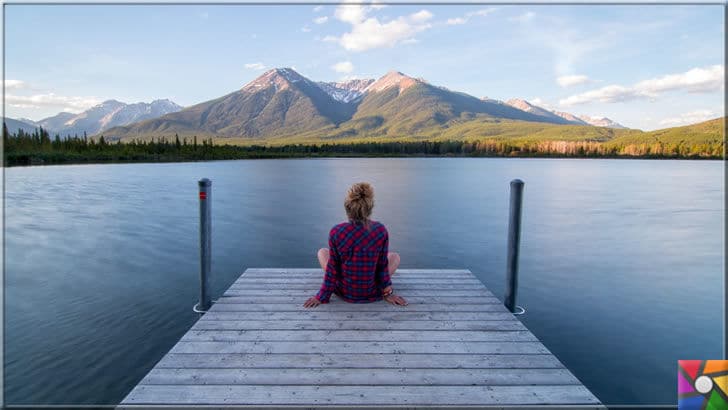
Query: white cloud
x=468 y=16
x=344 y=67
x=351 y=13
x=697 y=80
x=571 y=80
x=456 y=20
x=321 y=20
x=255 y=66
x=317 y=9
x=305 y=29
x=523 y=18
x=608 y=94
x=421 y=16
x=51 y=100
x=540 y=102
x=14 y=84
x=690 y=118
x=369 y=32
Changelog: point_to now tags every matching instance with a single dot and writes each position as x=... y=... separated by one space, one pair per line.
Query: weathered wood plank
x=318 y=270
x=314 y=314
x=363 y=377
x=399 y=287
x=320 y=274
x=355 y=335
x=361 y=325
x=386 y=347
x=359 y=395
x=305 y=293
x=380 y=306
x=412 y=300
x=398 y=280
x=359 y=360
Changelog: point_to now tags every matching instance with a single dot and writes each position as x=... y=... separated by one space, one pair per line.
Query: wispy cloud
x=697 y=80
x=306 y=29
x=318 y=8
x=344 y=67
x=568 y=43
x=52 y=100
x=572 y=80
x=540 y=102
x=14 y=84
x=691 y=117
x=369 y=32
x=523 y=18
x=321 y=20
x=255 y=66
x=464 y=19
x=456 y=20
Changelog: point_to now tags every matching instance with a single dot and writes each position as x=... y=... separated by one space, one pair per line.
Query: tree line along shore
x=37 y=148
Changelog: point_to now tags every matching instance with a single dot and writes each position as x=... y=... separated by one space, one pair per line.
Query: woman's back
x=357 y=267
x=357 y=263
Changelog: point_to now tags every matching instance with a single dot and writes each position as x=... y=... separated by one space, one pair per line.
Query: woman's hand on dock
x=312 y=302
x=396 y=300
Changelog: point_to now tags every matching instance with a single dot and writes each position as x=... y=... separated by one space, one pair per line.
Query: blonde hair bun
x=360 y=191
x=359 y=202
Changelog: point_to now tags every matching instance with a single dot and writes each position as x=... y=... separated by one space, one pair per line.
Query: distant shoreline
x=40 y=149
x=337 y=156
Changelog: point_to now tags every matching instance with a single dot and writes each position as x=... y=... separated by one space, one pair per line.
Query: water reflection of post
x=514 y=241
x=205 y=186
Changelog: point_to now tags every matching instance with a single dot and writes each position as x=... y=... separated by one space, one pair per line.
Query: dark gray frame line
x=394 y=3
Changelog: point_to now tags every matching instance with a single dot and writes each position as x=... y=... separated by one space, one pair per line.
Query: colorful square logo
x=702 y=384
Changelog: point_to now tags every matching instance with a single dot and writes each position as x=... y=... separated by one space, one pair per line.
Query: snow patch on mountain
x=346 y=91
x=600 y=121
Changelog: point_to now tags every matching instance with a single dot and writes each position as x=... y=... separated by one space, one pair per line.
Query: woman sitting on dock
x=358 y=264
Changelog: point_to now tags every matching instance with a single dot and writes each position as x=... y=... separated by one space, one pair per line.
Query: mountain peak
x=280 y=78
x=600 y=121
x=392 y=79
x=521 y=104
x=111 y=102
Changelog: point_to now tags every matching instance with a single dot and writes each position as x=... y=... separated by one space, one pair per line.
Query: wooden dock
x=454 y=344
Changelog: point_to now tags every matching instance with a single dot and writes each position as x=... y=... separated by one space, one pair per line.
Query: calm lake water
x=621 y=260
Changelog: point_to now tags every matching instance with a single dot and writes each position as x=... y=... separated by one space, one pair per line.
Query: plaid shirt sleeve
x=382 y=272
x=333 y=269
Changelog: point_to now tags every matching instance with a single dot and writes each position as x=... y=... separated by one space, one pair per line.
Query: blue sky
x=646 y=67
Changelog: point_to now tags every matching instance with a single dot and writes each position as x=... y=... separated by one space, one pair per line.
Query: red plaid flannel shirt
x=358 y=266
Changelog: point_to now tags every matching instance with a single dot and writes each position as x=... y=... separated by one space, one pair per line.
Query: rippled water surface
x=621 y=260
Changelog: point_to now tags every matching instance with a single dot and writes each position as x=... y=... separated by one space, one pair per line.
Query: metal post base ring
x=196 y=308
x=519 y=312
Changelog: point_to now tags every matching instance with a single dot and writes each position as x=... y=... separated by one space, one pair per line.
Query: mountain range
x=569 y=118
x=108 y=114
x=282 y=103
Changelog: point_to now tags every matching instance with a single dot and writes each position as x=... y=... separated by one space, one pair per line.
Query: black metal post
x=514 y=241
x=205 y=186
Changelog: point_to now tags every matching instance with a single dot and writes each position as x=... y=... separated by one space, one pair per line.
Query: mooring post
x=514 y=241
x=205 y=186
